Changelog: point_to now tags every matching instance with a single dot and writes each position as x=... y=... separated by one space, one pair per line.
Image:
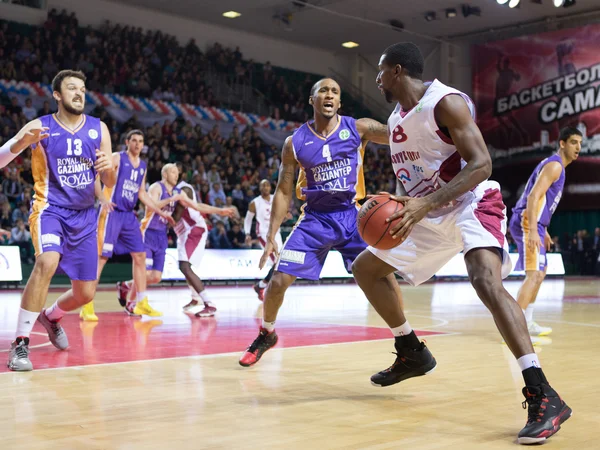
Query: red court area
x=118 y=338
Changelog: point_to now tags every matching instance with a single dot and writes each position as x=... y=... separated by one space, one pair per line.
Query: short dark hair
x=408 y=56
x=60 y=76
x=567 y=132
x=313 y=89
x=133 y=133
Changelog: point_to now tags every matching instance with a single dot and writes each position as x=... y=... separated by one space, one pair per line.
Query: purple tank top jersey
x=550 y=201
x=331 y=172
x=152 y=221
x=63 y=163
x=129 y=181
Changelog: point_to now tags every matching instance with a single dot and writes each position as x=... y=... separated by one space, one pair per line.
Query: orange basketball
x=372 y=226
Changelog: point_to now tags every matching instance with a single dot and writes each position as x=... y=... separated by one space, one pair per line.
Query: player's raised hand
x=414 y=210
x=270 y=248
x=26 y=138
x=103 y=162
x=228 y=211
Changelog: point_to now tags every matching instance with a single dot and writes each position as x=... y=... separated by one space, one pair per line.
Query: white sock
x=25 y=322
x=140 y=296
x=527 y=361
x=195 y=295
x=204 y=296
x=269 y=326
x=262 y=284
x=402 y=330
x=529 y=313
x=54 y=313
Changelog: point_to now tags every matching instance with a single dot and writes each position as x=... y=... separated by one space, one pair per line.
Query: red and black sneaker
x=259 y=291
x=409 y=363
x=122 y=292
x=261 y=344
x=546 y=412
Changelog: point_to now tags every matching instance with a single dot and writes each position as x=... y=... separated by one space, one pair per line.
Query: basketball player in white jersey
x=192 y=232
x=440 y=157
x=260 y=208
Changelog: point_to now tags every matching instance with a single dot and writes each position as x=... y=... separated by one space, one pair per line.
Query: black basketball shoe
x=263 y=342
x=546 y=412
x=409 y=363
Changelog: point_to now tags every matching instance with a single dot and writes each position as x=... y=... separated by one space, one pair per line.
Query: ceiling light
x=350 y=44
x=502 y=2
x=468 y=10
x=558 y=3
x=429 y=16
x=450 y=13
x=231 y=14
x=513 y=3
x=569 y=3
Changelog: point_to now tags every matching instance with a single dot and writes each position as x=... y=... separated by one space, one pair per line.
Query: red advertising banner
x=526 y=89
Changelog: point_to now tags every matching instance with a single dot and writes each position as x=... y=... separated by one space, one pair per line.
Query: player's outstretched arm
x=104 y=159
x=149 y=201
x=30 y=134
x=548 y=175
x=185 y=198
x=371 y=130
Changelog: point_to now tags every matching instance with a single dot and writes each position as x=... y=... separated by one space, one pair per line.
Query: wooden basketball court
x=174 y=382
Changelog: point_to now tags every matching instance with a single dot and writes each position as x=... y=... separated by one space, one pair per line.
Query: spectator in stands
x=12 y=187
x=237 y=237
x=21 y=213
x=216 y=193
x=21 y=237
x=29 y=111
x=218 y=237
x=3 y=197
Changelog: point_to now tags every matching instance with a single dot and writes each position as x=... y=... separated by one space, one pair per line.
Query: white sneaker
x=538 y=330
x=193 y=309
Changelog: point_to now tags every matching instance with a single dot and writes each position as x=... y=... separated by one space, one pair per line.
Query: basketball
x=372 y=225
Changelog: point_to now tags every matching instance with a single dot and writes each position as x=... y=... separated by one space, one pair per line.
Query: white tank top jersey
x=263 y=214
x=190 y=217
x=423 y=157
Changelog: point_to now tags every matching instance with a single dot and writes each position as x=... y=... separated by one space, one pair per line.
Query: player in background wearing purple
x=117 y=221
x=154 y=230
x=69 y=149
x=531 y=217
x=329 y=151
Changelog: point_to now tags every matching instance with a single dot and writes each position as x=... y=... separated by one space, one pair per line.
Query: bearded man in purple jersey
x=69 y=149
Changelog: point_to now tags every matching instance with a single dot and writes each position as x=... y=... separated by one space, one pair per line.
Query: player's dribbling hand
x=270 y=248
x=103 y=162
x=32 y=136
x=415 y=208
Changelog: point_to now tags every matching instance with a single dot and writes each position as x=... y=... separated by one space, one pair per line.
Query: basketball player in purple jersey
x=329 y=151
x=117 y=221
x=531 y=217
x=450 y=207
x=70 y=149
x=154 y=230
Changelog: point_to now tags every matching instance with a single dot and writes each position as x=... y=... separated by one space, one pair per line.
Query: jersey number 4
x=326 y=153
x=398 y=135
x=74 y=143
